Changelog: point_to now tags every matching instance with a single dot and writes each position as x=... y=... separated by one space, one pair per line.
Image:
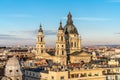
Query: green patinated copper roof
x=69 y=27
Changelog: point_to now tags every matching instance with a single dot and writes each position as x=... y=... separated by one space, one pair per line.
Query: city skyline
x=97 y=21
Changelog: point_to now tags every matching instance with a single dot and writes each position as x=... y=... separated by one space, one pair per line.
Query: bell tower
x=60 y=52
x=40 y=43
x=60 y=42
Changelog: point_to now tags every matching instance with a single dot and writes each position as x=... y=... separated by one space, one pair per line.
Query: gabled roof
x=44 y=54
x=80 y=53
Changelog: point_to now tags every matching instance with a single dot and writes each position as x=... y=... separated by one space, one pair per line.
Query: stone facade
x=68 y=42
x=13 y=69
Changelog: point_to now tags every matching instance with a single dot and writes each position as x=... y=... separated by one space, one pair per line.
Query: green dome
x=69 y=27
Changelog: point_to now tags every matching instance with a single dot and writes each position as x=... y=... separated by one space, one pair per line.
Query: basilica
x=68 y=45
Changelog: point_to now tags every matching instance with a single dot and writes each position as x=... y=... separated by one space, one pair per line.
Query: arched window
x=75 y=44
x=41 y=45
x=16 y=70
x=17 y=79
x=62 y=52
x=41 y=39
x=41 y=51
x=57 y=52
x=10 y=71
x=71 y=44
x=61 y=38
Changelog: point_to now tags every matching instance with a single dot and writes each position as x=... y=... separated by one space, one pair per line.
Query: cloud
x=50 y=32
x=90 y=19
x=117 y=33
x=29 y=32
x=26 y=37
x=6 y=39
x=12 y=37
x=7 y=36
x=34 y=32
x=8 y=42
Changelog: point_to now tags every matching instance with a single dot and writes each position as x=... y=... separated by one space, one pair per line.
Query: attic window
x=16 y=70
x=10 y=71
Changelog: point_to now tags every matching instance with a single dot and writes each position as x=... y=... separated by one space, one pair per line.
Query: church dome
x=13 y=68
x=69 y=27
x=13 y=62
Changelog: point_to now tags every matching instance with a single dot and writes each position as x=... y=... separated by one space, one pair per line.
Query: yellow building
x=87 y=74
x=112 y=73
x=77 y=57
x=81 y=74
x=58 y=75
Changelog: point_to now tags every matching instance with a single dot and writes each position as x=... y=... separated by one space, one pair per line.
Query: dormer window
x=10 y=71
x=17 y=79
x=16 y=70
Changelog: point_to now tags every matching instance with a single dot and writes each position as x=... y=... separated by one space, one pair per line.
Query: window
x=90 y=74
x=41 y=39
x=10 y=71
x=75 y=35
x=62 y=78
x=71 y=44
x=62 y=52
x=75 y=44
x=33 y=74
x=72 y=75
x=76 y=75
x=96 y=74
x=30 y=64
x=62 y=45
x=61 y=38
x=57 y=52
x=26 y=72
x=83 y=75
x=41 y=51
x=30 y=73
x=52 y=78
x=16 y=70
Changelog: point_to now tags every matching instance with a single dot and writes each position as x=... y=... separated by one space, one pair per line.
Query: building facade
x=68 y=42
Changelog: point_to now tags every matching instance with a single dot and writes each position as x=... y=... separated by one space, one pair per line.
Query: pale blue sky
x=97 y=21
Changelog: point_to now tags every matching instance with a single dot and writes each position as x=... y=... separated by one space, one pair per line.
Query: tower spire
x=69 y=20
x=40 y=30
x=60 y=28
